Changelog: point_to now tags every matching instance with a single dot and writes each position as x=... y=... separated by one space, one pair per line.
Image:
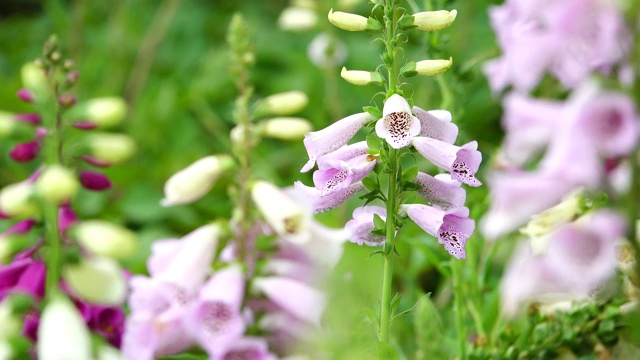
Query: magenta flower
x=397 y=125
x=25 y=95
x=329 y=201
x=359 y=228
x=107 y=322
x=461 y=161
x=29 y=118
x=452 y=228
x=332 y=137
x=94 y=181
x=25 y=152
x=66 y=217
x=23 y=275
x=441 y=191
x=436 y=124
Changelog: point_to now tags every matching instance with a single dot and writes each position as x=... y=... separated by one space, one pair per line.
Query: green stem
x=457 y=289
x=385 y=313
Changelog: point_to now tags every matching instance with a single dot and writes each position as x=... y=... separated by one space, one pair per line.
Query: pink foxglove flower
x=436 y=124
x=332 y=137
x=359 y=228
x=296 y=298
x=461 y=161
x=345 y=173
x=440 y=190
x=452 y=228
x=398 y=125
x=249 y=348
x=325 y=203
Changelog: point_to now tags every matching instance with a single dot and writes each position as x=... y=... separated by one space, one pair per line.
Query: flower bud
x=57 y=184
x=29 y=118
x=285 y=128
x=67 y=100
x=105 y=239
x=105 y=112
x=7 y=124
x=285 y=217
x=11 y=324
x=347 y=21
x=34 y=80
x=296 y=18
x=434 y=20
x=111 y=148
x=15 y=200
x=94 y=181
x=62 y=333
x=433 y=67
x=285 y=103
x=25 y=152
x=97 y=280
x=360 y=77
x=194 y=181
x=25 y=95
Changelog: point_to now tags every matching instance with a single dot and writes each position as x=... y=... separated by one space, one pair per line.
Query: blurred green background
x=169 y=60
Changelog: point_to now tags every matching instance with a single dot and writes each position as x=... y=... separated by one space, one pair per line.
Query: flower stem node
x=57 y=184
x=62 y=333
x=430 y=20
x=16 y=200
x=194 y=181
x=111 y=148
x=361 y=78
x=349 y=22
x=432 y=67
x=285 y=128
x=105 y=112
x=105 y=239
x=282 y=104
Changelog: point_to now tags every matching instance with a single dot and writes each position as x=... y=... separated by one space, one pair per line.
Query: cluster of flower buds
x=84 y=288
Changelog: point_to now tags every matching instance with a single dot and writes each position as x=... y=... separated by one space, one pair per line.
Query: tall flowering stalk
x=246 y=287
x=399 y=129
x=58 y=273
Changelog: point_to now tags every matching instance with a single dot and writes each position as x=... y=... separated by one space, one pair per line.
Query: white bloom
x=62 y=334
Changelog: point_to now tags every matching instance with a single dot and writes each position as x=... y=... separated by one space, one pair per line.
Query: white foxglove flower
x=62 y=334
x=347 y=21
x=111 y=148
x=296 y=18
x=433 y=67
x=281 y=104
x=434 y=20
x=397 y=126
x=285 y=217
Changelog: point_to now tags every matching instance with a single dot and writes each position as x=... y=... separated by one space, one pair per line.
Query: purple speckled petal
x=332 y=180
x=345 y=153
x=397 y=125
x=454 y=232
x=462 y=162
x=330 y=201
x=441 y=191
x=249 y=348
x=436 y=124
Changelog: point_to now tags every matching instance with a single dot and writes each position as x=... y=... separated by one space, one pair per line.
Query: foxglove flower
x=62 y=333
x=452 y=228
x=194 y=181
x=299 y=299
x=359 y=228
x=332 y=137
x=284 y=216
x=461 y=161
x=325 y=203
x=105 y=239
x=441 y=191
x=397 y=126
x=97 y=280
x=436 y=124
x=344 y=173
x=249 y=348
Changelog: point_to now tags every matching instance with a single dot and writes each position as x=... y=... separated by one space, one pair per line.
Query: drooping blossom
x=329 y=201
x=397 y=125
x=461 y=161
x=436 y=124
x=337 y=177
x=440 y=190
x=360 y=226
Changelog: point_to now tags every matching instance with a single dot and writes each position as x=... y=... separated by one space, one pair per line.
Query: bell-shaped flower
x=433 y=67
x=361 y=77
x=194 y=181
x=296 y=298
x=250 y=348
x=346 y=173
x=398 y=125
x=286 y=217
x=434 y=20
x=452 y=228
x=325 y=203
x=441 y=191
x=347 y=21
x=105 y=112
x=436 y=124
x=97 y=280
x=62 y=334
x=360 y=226
x=105 y=239
x=461 y=161
x=332 y=137
x=345 y=153
x=214 y=318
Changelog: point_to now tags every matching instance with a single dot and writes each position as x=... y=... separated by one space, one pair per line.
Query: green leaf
x=410 y=186
x=371 y=183
x=386 y=351
x=410 y=173
x=374 y=143
x=409 y=69
x=379 y=232
x=378 y=222
x=372 y=317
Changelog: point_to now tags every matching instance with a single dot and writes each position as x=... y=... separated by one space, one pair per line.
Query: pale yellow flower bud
x=16 y=200
x=285 y=217
x=105 y=239
x=62 y=334
x=285 y=128
x=106 y=352
x=34 y=79
x=105 y=112
x=57 y=184
x=5 y=250
x=11 y=324
x=111 y=148
x=347 y=21
x=297 y=19
x=360 y=77
x=285 y=103
x=433 y=67
x=194 y=181
x=7 y=124
x=434 y=20
x=98 y=280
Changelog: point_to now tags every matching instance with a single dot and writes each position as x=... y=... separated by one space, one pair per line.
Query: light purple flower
x=333 y=159
x=296 y=298
x=359 y=228
x=337 y=179
x=397 y=125
x=452 y=228
x=332 y=137
x=248 y=348
x=436 y=124
x=441 y=191
x=330 y=201
x=461 y=161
